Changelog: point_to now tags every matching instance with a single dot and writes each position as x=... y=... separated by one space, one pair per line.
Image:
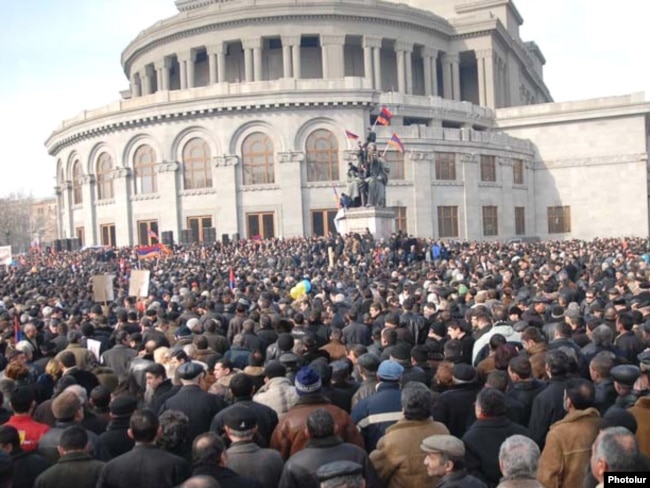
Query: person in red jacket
x=22 y=402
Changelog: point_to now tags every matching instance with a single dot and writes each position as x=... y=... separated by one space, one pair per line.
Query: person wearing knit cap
x=289 y=436
x=374 y=414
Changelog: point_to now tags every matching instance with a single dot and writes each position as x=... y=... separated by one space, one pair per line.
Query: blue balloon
x=307 y=284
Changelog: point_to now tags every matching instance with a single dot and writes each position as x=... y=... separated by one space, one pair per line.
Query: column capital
x=226 y=160
x=332 y=40
x=67 y=185
x=370 y=41
x=291 y=40
x=184 y=56
x=121 y=173
x=291 y=157
x=218 y=48
x=167 y=167
x=469 y=158
x=451 y=58
x=430 y=52
x=404 y=46
x=254 y=43
x=88 y=180
x=160 y=64
x=484 y=53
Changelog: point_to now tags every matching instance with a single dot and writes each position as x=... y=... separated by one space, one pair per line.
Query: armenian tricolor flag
x=231 y=279
x=384 y=116
x=150 y=252
x=396 y=142
x=351 y=135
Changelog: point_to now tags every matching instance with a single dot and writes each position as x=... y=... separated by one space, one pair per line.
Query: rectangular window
x=559 y=219
x=81 y=235
x=490 y=221
x=322 y=222
x=518 y=172
x=261 y=224
x=395 y=164
x=198 y=225
x=448 y=221
x=144 y=229
x=400 y=219
x=520 y=221
x=488 y=168
x=445 y=166
x=107 y=232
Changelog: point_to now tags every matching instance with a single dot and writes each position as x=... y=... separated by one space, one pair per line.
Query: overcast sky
x=60 y=57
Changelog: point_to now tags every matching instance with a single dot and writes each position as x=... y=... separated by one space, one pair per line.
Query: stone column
x=426 y=62
x=400 y=49
x=257 y=62
x=182 y=70
x=214 y=51
x=68 y=229
x=286 y=60
x=333 y=56
x=409 y=70
x=135 y=85
x=226 y=174
x=486 y=58
x=190 y=69
x=376 y=61
x=291 y=56
x=455 y=67
x=145 y=82
x=370 y=44
x=250 y=60
x=508 y=203
x=422 y=164
x=123 y=227
x=90 y=222
x=221 y=65
x=168 y=190
x=480 y=68
x=161 y=74
x=447 y=77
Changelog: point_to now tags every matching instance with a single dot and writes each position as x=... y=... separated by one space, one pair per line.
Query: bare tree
x=15 y=222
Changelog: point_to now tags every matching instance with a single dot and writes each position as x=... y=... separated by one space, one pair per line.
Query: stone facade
x=237 y=109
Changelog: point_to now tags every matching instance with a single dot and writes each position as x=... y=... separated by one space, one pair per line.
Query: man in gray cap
x=445 y=458
x=341 y=474
x=624 y=377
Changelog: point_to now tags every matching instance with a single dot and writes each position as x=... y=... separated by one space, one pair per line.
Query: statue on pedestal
x=376 y=178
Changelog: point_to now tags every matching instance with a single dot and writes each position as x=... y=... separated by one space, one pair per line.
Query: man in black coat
x=627 y=342
x=599 y=371
x=144 y=466
x=454 y=406
x=355 y=332
x=241 y=387
x=116 y=440
x=324 y=447
x=119 y=357
x=76 y=467
x=199 y=406
x=524 y=387
x=160 y=385
x=484 y=438
x=548 y=406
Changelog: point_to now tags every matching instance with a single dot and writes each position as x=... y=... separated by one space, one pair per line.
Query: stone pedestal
x=380 y=221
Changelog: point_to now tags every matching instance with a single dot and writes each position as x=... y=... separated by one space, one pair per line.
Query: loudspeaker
x=209 y=235
x=188 y=236
x=68 y=245
x=235 y=236
x=75 y=244
x=168 y=238
x=58 y=245
x=225 y=239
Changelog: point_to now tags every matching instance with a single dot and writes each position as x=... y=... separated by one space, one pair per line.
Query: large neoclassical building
x=235 y=117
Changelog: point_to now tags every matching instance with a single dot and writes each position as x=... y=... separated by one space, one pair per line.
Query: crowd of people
x=399 y=363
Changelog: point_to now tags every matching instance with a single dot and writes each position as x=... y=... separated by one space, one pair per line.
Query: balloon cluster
x=302 y=288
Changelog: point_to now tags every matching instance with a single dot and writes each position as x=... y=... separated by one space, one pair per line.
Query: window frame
x=490 y=220
x=144 y=171
x=250 y=175
x=445 y=166
x=561 y=214
x=317 y=169
x=450 y=221
x=196 y=165
x=488 y=167
x=104 y=175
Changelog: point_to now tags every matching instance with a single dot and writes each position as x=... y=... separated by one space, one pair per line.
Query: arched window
x=322 y=156
x=77 y=174
x=104 y=177
x=196 y=165
x=257 y=159
x=144 y=160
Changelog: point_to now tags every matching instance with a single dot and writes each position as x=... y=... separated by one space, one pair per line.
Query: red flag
x=231 y=278
x=351 y=135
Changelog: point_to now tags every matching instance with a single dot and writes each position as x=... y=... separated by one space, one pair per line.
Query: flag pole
x=386 y=150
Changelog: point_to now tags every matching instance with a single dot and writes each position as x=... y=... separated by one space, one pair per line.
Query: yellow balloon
x=295 y=293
